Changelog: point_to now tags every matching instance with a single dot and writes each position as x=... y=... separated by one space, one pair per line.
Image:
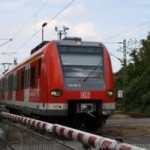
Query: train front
x=87 y=90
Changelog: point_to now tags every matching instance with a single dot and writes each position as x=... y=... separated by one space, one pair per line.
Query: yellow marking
x=35 y=59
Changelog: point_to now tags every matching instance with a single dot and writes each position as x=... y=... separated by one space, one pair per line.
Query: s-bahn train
x=67 y=81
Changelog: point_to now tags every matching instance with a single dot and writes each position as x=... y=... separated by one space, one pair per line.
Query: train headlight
x=110 y=93
x=56 y=93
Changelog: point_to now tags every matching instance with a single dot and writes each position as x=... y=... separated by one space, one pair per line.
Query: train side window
x=28 y=76
x=6 y=87
x=14 y=82
x=0 y=87
x=8 y=84
x=39 y=67
x=11 y=83
x=26 y=79
x=32 y=77
x=18 y=81
x=22 y=80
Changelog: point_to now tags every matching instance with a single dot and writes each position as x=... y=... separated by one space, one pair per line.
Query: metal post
x=60 y=35
x=42 y=34
x=43 y=25
x=4 y=64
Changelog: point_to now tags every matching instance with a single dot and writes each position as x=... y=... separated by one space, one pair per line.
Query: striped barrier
x=98 y=142
x=28 y=121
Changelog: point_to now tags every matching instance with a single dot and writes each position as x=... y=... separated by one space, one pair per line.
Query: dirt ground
x=125 y=131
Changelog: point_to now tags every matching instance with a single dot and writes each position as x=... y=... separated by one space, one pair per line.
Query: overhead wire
x=20 y=30
x=52 y=19
x=60 y=12
x=35 y=14
x=129 y=30
x=29 y=20
x=4 y=39
x=122 y=33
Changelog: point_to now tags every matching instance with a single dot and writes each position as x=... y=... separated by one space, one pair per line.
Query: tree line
x=135 y=78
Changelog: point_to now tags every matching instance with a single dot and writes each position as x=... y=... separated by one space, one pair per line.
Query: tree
x=138 y=80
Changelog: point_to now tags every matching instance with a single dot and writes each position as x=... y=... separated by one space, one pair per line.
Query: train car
x=67 y=81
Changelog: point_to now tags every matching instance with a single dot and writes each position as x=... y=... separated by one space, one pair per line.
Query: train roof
x=38 y=49
x=74 y=41
x=66 y=41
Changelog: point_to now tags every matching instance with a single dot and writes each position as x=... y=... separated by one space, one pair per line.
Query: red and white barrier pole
x=28 y=121
x=95 y=141
x=92 y=140
x=89 y=139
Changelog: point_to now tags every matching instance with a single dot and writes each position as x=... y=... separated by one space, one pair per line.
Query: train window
x=82 y=62
x=6 y=83
x=32 y=77
x=22 y=80
x=39 y=67
x=14 y=82
x=0 y=85
x=80 y=49
x=18 y=81
x=10 y=83
x=28 y=75
x=26 y=82
x=27 y=78
x=1 y=88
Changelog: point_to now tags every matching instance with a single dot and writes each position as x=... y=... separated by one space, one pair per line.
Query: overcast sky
x=108 y=21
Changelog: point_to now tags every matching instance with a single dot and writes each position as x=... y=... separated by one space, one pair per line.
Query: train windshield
x=82 y=62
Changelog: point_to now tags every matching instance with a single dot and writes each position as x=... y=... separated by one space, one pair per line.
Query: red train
x=67 y=81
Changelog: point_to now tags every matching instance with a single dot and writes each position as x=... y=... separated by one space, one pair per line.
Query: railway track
x=132 y=115
x=130 y=128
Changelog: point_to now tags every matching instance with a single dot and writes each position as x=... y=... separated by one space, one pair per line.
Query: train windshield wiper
x=92 y=71
x=74 y=69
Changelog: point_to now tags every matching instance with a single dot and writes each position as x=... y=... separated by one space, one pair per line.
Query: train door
x=26 y=90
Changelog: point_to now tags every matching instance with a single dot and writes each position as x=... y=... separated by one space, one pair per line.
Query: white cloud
x=87 y=31
x=90 y=20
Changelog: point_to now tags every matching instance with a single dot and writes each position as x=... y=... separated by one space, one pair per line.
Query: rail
x=133 y=115
x=91 y=140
